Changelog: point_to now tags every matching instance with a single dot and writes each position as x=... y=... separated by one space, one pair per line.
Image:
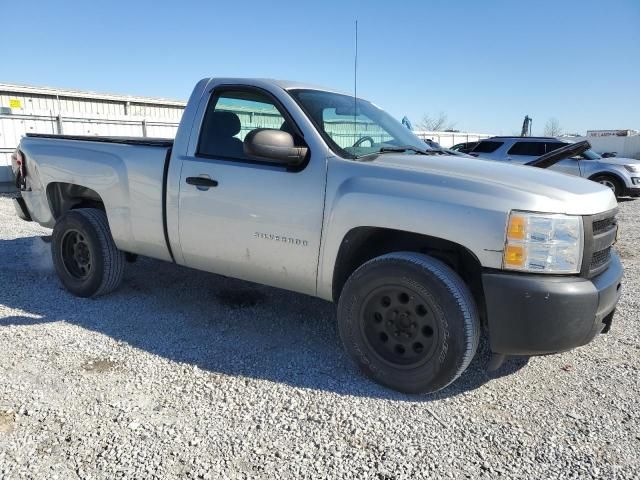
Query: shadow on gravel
x=219 y=324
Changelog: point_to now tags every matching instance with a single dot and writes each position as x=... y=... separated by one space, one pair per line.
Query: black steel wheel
x=84 y=253
x=76 y=255
x=409 y=322
x=399 y=325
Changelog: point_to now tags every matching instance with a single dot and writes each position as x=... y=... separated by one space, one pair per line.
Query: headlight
x=544 y=243
x=633 y=168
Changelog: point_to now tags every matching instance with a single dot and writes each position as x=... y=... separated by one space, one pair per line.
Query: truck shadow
x=219 y=324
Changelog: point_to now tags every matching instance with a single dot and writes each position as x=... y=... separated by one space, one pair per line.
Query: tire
x=613 y=183
x=409 y=322
x=84 y=253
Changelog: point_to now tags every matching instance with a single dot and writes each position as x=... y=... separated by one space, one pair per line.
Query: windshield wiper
x=400 y=149
x=404 y=148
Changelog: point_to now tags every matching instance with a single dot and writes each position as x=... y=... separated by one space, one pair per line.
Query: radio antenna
x=355 y=86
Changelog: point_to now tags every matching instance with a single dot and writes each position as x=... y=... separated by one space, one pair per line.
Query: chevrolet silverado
x=318 y=192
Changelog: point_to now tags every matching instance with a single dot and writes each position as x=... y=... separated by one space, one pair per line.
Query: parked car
x=419 y=249
x=622 y=175
x=465 y=147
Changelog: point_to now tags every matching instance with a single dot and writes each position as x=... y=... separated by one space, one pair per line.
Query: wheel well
x=361 y=244
x=610 y=175
x=68 y=196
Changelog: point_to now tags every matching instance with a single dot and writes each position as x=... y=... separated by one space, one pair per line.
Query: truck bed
x=128 y=174
x=148 y=141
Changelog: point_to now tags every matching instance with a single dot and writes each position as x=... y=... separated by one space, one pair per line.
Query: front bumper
x=632 y=191
x=632 y=188
x=535 y=314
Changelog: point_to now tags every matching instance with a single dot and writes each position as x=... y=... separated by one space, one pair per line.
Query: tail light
x=21 y=174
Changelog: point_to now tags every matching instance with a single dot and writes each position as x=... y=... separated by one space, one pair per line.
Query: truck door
x=248 y=219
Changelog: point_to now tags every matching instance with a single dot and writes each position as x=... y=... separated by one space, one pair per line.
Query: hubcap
x=608 y=183
x=399 y=325
x=76 y=255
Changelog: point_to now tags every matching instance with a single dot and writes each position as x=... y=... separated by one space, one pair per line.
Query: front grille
x=599 y=235
x=599 y=258
x=600 y=226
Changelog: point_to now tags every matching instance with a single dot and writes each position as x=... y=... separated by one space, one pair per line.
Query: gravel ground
x=182 y=374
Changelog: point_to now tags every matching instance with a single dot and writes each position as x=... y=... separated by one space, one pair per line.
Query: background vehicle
x=622 y=175
x=314 y=191
x=464 y=147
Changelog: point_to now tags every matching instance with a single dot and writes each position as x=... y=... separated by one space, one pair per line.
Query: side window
x=487 y=147
x=230 y=115
x=551 y=146
x=532 y=149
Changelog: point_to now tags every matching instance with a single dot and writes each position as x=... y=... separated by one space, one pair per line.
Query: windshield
x=355 y=129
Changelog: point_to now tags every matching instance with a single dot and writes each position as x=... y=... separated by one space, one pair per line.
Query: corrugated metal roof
x=63 y=92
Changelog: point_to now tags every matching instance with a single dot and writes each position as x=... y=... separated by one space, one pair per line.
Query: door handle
x=202 y=182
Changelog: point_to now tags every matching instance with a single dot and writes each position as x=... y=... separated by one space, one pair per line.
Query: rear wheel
x=611 y=182
x=84 y=253
x=409 y=322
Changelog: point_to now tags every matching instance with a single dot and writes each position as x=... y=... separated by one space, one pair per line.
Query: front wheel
x=84 y=253
x=409 y=322
x=613 y=183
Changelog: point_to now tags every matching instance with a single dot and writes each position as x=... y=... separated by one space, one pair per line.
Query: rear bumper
x=21 y=209
x=535 y=314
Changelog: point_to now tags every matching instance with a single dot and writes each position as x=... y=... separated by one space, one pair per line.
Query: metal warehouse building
x=26 y=109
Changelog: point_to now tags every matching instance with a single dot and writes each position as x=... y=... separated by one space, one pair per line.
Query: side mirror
x=270 y=145
x=609 y=154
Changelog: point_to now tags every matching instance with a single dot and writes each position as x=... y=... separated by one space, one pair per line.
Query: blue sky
x=484 y=63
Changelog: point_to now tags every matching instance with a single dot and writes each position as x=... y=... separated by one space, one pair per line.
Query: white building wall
x=449 y=139
x=624 y=146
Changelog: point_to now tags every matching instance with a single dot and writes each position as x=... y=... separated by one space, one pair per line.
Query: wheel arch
x=608 y=173
x=63 y=197
x=362 y=244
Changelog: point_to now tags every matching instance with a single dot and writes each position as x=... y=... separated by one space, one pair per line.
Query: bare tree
x=436 y=124
x=552 y=128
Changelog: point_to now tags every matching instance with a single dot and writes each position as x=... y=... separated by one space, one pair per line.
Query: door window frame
x=217 y=92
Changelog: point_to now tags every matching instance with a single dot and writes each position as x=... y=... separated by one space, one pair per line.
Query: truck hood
x=505 y=185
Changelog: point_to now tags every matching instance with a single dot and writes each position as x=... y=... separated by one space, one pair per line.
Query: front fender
x=617 y=171
x=445 y=211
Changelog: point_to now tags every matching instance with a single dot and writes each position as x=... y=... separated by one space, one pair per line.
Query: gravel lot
x=182 y=374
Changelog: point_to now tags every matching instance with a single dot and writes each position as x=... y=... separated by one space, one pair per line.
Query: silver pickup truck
x=314 y=191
